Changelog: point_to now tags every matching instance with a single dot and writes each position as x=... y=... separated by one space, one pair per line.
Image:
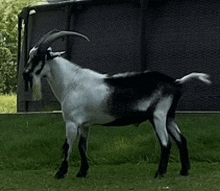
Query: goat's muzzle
x=28 y=79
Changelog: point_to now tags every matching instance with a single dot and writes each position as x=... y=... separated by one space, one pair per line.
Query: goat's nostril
x=25 y=76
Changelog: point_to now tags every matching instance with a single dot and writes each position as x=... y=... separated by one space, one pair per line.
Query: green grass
x=204 y=177
x=33 y=141
x=30 y=154
x=8 y=103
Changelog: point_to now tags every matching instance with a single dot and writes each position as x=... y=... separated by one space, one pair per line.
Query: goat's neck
x=62 y=76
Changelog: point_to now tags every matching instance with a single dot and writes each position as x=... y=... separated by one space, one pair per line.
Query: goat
x=89 y=98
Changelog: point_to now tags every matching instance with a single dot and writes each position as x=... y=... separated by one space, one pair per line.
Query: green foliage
x=7 y=71
x=9 y=10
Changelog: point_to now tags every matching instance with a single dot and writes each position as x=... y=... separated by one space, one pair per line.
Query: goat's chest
x=88 y=101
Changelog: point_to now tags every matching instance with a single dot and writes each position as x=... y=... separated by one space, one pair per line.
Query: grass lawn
x=8 y=103
x=137 y=177
x=120 y=158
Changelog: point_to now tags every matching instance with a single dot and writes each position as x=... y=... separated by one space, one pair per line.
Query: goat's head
x=36 y=66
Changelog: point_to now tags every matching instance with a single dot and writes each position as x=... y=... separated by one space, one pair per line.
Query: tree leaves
x=9 y=11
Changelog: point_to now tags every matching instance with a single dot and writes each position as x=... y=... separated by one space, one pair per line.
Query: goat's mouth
x=28 y=79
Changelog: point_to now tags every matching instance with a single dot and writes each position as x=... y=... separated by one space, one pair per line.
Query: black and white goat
x=88 y=98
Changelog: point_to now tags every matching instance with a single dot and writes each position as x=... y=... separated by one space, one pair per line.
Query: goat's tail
x=199 y=76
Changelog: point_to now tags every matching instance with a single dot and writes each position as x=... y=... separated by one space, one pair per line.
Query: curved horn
x=52 y=36
x=46 y=36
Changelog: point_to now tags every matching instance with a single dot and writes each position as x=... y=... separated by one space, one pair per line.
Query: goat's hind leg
x=181 y=142
x=159 y=123
x=71 y=134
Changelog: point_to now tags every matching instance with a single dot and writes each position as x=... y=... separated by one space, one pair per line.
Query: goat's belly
x=100 y=119
x=129 y=119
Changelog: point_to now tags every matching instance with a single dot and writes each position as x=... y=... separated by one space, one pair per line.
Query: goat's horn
x=43 y=38
x=52 y=36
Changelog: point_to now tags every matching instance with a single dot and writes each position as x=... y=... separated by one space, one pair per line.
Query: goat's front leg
x=71 y=134
x=83 y=141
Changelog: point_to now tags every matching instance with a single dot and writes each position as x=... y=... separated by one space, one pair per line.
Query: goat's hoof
x=82 y=174
x=159 y=175
x=184 y=172
x=60 y=175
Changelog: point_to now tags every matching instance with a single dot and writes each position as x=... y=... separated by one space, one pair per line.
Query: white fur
x=200 y=76
x=81 y=92
x=160 y=119
x=173 y=128
x=144 y=104
x=37 y=95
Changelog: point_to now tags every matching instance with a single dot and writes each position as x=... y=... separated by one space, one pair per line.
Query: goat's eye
x=32 y=63
x=35 y=61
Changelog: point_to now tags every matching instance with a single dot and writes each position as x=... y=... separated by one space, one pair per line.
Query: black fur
x=165 y=153
x=83 y=172
x=28 y=78
x=184 y=156
x=128 y=90
x=64 y=166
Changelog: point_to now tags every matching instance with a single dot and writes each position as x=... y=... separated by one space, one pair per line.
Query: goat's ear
x=55 y=54
x=52 y=55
